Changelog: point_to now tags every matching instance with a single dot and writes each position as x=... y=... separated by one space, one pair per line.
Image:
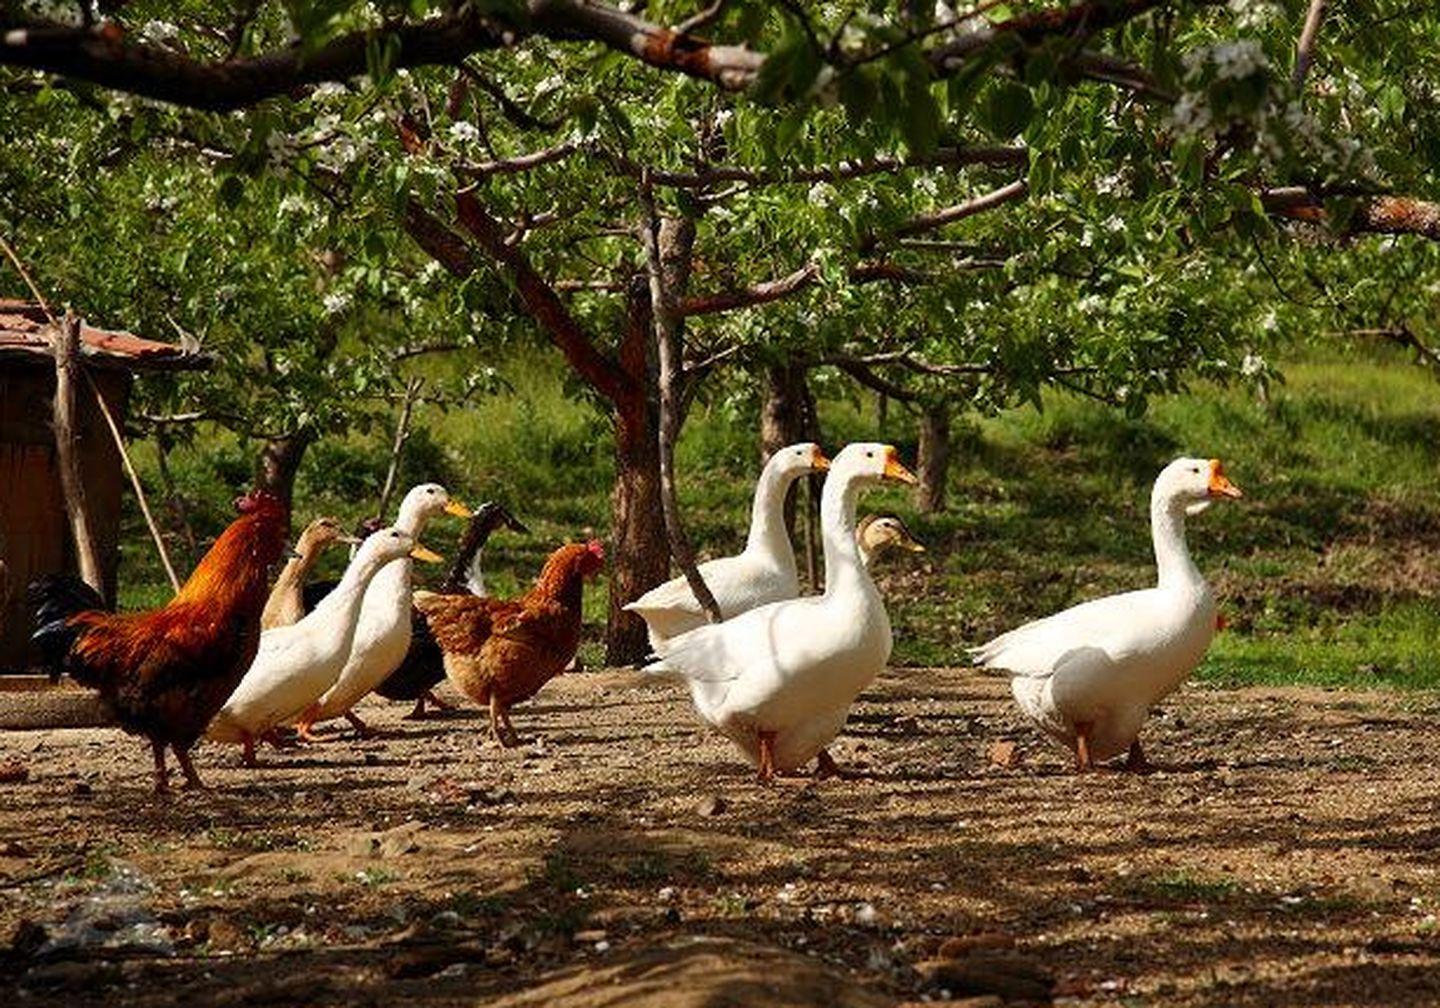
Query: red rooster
x=165 y=673
x=499 y=652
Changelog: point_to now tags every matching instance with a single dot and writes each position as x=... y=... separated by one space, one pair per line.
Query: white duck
x=1089 y=675
x=382 y=634
x=779 y=680
x=297 y=663
x=763 y=572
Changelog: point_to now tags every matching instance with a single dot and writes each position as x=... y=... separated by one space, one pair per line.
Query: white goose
x=779 y=680
x=382 y=633
x=1089 y=675
x=298 y=662
x=763 y=572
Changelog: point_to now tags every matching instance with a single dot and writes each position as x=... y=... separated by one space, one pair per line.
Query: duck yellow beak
x=895 y=470
x=428 y=555
x=819 y=462
x=457 y=509
x=913 y=546
x=1220 y=485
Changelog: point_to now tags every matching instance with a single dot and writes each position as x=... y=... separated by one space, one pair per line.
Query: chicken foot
x=500 y=725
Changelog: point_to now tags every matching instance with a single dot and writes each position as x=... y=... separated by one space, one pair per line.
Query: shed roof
x=23 y=334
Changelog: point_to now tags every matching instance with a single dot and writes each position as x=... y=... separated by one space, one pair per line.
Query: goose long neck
x=1172 y=557
x=767 y=514
x=844 y=566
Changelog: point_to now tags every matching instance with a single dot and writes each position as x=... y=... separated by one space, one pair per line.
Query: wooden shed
x=35 y=533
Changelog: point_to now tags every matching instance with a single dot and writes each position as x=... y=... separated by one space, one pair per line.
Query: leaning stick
x=135 y=483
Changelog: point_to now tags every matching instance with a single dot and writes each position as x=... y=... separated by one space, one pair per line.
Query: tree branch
x=1305 y=48
x=709 y=175
x=668 y=270
x=1396 y=215
x=949 y=215
x=542 y=302
x=520 y=162
x=748 y=297
x=104 y=55
x=438 y=240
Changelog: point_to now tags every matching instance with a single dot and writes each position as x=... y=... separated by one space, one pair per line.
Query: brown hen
x=499 y=652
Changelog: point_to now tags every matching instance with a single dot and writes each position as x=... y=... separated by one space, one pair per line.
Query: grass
x=1328 y=572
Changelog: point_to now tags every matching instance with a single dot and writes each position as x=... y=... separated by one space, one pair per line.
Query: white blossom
x=1237 y=60
x=336 y=302
x=1252 y=365
x=1254 y=13
x=339 y=153
x=1191 y=114
x=156 y=32
x=329 y=89
x=822 y=194
x=463 y=132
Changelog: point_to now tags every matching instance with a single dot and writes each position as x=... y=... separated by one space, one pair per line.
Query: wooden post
x=666 y=320
x=397 y=448
x=66 y=341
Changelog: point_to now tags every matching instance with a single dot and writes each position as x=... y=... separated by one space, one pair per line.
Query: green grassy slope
x=1328 y=570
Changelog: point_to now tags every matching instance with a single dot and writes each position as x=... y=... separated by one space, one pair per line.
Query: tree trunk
x=787 y=416
x=641 y=554
x=67 y=455
x=278 y=464
x=668 y=246
x=934 y=463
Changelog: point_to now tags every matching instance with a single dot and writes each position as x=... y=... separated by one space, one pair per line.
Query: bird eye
x=869 y=454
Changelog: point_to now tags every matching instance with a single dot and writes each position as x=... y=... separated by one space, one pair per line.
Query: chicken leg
x=826 y=767
x=1082 y=748
x=362 y=730
x=419 y=712
x=1136 y=761
x=192 y=779
x=767 y=756
x=162 y=773
x=500 y=725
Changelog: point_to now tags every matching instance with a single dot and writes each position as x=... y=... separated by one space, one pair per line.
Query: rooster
x=166 y=672
x=499 y=652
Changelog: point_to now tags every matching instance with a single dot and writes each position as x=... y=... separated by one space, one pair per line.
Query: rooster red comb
x=594 y=546
x=259 y=500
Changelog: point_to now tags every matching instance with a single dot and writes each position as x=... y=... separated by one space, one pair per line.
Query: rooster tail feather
x=55 y=598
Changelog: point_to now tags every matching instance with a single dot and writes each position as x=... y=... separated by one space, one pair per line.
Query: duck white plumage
x=295 y=664
x=382 y=632
x=1088 y=676
x=763 y=572
x=779 y=679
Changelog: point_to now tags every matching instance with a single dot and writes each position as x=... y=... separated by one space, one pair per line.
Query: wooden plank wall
x=34 y=538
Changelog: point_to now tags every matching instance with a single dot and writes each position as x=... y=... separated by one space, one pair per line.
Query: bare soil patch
x=1286 y=854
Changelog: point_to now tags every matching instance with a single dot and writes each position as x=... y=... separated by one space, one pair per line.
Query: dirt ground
x=1286 y=853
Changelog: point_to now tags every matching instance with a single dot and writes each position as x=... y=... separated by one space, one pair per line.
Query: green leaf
x=1006 y=110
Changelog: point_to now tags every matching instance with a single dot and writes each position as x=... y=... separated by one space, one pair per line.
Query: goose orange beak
x=819 y=462
x=428 y=555
x=897 y=471
x=1220 y=485
x=457 y=509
